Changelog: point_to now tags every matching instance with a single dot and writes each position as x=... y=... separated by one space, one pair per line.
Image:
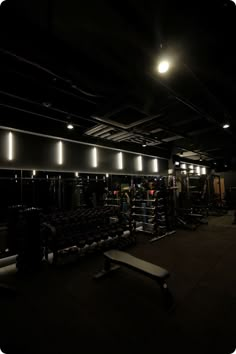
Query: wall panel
x=41 y=153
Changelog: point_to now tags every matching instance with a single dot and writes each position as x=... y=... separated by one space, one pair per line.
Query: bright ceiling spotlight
x=144 y=144
x=70 y=126
x=1 y=1
x=163 y=66
x=226 y=126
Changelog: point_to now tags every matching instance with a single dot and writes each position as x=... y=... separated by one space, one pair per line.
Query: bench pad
x=147 y=268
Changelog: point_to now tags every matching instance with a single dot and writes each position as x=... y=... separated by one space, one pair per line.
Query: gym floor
x=63 y=310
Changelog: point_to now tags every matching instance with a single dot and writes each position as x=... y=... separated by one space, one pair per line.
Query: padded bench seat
x=151 y=270
x=148 y=269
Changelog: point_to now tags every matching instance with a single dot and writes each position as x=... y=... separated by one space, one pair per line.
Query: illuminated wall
x=21 y=150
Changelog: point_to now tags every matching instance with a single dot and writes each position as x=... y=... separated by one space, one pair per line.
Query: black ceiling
x=93 y=63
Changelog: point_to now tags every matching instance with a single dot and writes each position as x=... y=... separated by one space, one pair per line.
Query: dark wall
x=41 y=153
x=230 y=179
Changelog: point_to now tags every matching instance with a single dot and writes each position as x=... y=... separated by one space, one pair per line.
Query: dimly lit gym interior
x=117 y=177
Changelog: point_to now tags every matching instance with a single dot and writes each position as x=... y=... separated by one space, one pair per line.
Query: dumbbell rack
x=83 y=232
x=154 y=223
x=112 y=202
x=127 y=223
x=143 y=214
x=163 y=227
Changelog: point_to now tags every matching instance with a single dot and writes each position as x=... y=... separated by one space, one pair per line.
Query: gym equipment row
x=34 y=235
x=191 y=218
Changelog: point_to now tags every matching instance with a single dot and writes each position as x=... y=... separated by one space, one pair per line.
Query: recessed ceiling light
x=70 y=126
x=163 y=66
x=226 y=126
x=1 y=1
x=144 y=144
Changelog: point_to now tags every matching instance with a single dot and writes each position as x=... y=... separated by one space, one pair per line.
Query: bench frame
x=112 y=265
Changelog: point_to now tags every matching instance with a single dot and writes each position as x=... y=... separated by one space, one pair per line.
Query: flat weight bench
x=146 y=268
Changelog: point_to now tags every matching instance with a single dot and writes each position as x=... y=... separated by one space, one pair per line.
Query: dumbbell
x=84 y=250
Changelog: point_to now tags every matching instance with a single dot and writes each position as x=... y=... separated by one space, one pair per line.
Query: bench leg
x=108 y=268
x=107 y=265
x=167 y=296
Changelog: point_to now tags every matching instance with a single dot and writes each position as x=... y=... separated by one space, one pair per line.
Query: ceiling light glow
x=163 y=67
x=70 y=126
x=226 y=126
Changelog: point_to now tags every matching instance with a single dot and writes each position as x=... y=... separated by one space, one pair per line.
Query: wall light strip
x=155 y=165
x=34 y=172
x=120 y=161
x=60 y=153
x=76 y=141
x=95 y=157
x=203 y=170
x=76 y=174
x=10 y=146
x=140 y=163
x=198 y=170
